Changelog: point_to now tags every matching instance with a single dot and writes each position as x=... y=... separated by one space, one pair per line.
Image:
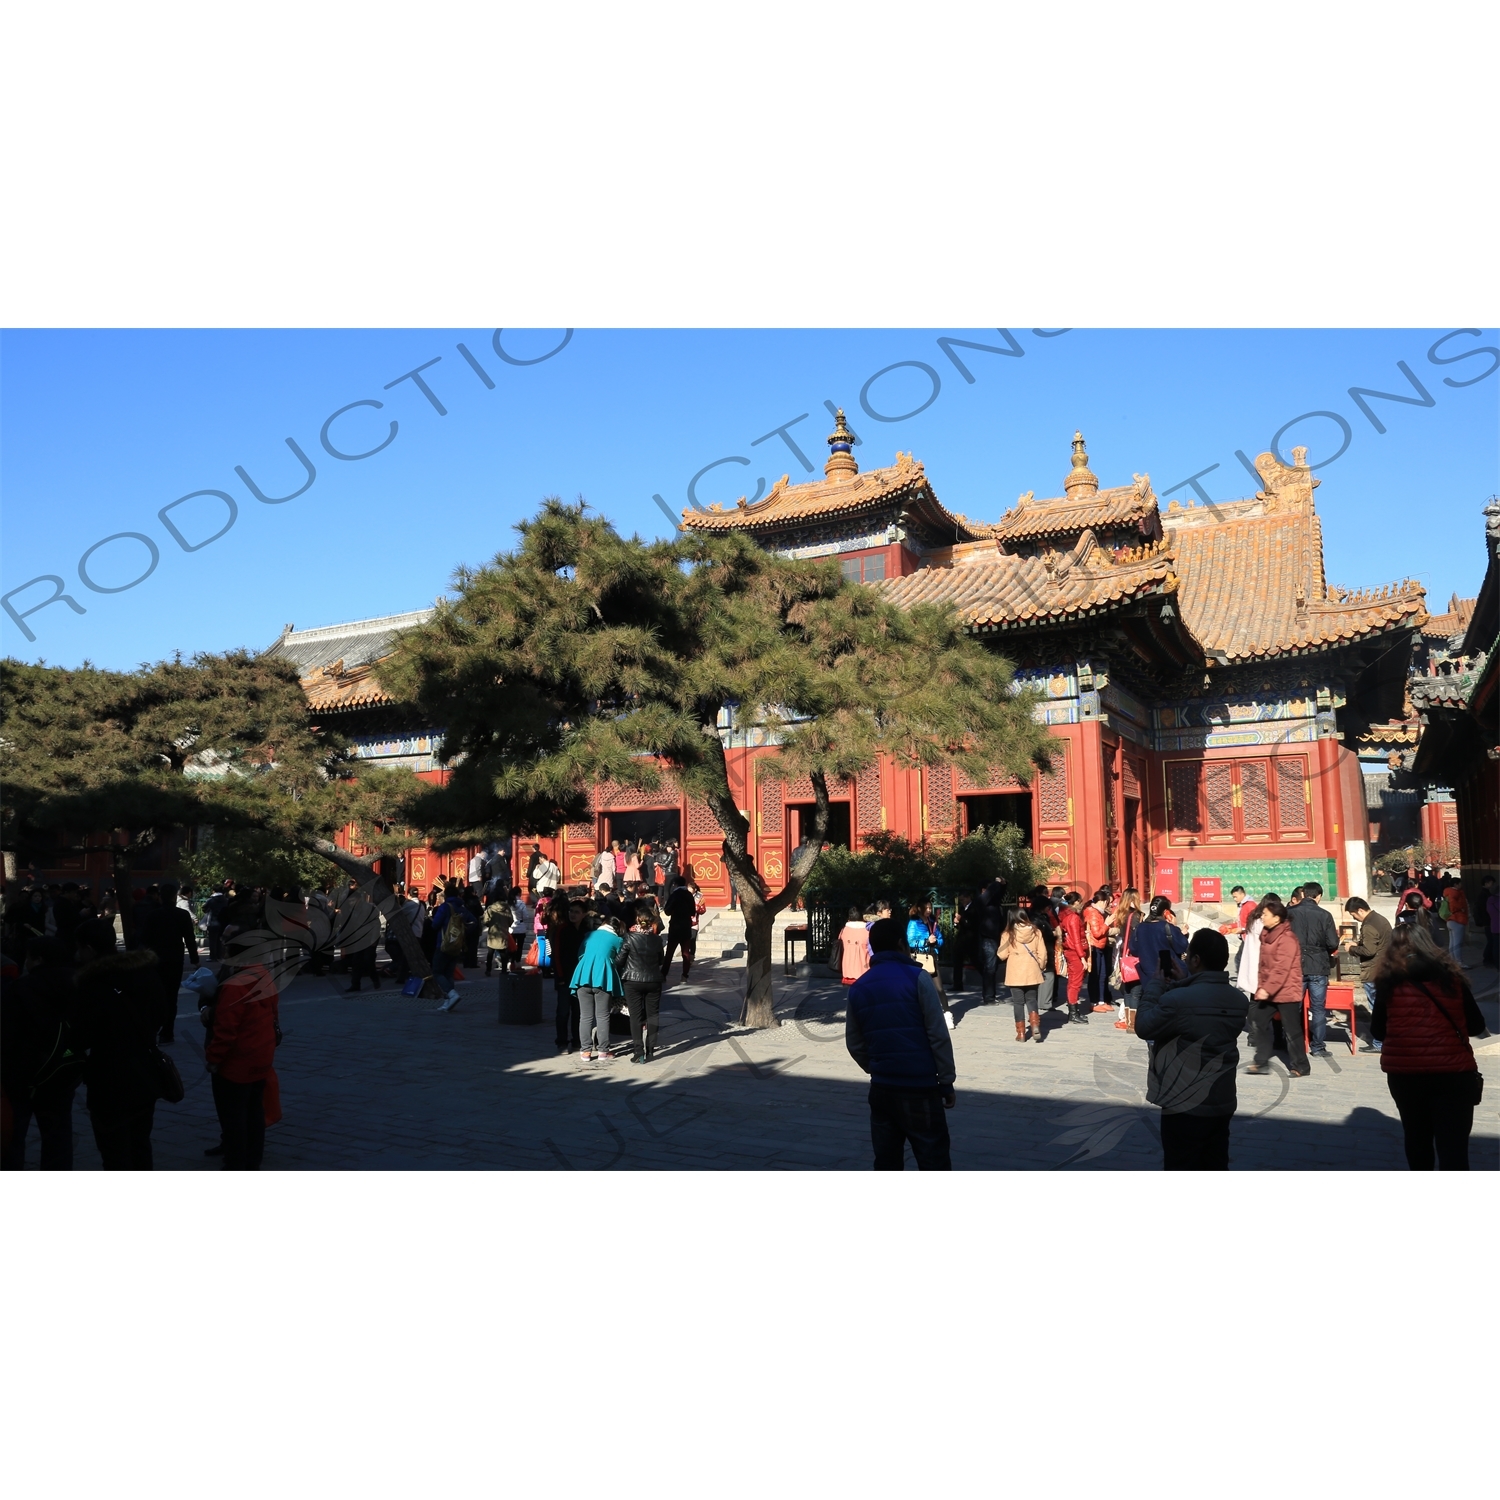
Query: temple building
x=1205 y=684
x=1209 y=692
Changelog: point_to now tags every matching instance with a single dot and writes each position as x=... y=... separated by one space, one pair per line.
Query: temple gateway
x=1207 y=688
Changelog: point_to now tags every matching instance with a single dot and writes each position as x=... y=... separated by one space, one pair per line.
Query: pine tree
x=584 y=657
x=222 y=739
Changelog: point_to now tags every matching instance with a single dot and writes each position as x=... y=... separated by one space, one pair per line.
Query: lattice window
x=581 y=833
x=1131 y=779
x=941 y=809
x=1255 y=797
x=621 y=796
x=1184 y=789
x=868 y=798
x=701 y=822
x=996 y=779
x=1052 y=795
x=610 y=795
x=772 y=817
x=1218 y=787
x=1291 y=794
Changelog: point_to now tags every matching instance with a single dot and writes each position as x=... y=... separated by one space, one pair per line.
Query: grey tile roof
x=356 y=643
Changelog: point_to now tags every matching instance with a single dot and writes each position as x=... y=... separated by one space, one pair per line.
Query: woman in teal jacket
x=924 y=940
x=597 y=980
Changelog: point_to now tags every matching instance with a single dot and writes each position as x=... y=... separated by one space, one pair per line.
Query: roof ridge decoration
x=372 y=626
x=1082 y=483
x=1082 y=505
x=1286 y=487
x=1366 y=598
x=842 y=463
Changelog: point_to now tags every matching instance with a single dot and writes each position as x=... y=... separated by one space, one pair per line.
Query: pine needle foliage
x=584 y=657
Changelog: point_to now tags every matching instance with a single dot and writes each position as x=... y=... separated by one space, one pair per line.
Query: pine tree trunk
x=760 y=1003
x=759 y=909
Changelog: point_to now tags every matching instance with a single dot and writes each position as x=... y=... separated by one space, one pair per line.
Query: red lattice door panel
x=1218 y=801
x=942 y=809
x=1293 y=795
x=867 y=798
x=1184 y=800
x=1052 y=803
x=1255 y=801
x=772 y=809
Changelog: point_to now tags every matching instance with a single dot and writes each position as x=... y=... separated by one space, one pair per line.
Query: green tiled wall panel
x=1261 y=875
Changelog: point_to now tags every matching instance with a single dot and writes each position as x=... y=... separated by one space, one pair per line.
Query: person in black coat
x=25 y=922
x=1193 y=1022
x=963 y=939
x=40 y=1058
x=475 y=908
x=95 y=929
x=988 y=926
x=119 y=1015
x=642 y=980
x=213 y=916
x=168 y=932
x=566 y=932
x=1319 y=938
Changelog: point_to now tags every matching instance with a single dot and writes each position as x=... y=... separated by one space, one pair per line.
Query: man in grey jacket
x=1194 y=1024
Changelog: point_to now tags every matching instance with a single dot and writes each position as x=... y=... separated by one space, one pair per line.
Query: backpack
x=453 y=934
x=1444 y=910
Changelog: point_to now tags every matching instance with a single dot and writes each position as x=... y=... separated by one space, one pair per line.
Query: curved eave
x=1066 y=616
x=1313 y=648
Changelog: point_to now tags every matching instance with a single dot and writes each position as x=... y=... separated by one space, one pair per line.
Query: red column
x=1090 y=861
x=1330 y=804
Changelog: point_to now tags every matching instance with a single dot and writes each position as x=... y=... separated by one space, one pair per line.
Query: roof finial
x=1081 y=481
x=841 y=459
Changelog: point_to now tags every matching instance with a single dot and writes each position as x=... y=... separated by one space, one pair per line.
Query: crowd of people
x=92 y=993
x=1054 y=948
x=90 y=999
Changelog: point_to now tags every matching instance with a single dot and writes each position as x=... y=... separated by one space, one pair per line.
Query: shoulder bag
x=168 y=1080
x=1130 y=965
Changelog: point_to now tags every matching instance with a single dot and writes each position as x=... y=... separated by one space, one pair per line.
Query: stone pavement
x=380 y=1081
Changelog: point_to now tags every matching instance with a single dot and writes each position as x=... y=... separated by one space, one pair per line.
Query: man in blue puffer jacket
x=894 y=1030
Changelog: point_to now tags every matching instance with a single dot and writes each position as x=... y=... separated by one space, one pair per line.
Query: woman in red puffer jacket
x=1278 y=987
x=1424 y=1015
x=240 y=1054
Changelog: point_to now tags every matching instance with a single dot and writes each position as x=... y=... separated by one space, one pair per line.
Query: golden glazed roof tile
x=1124 y=505
x=1454 y=622
x=838 y=495
x=1252 y=586
x=333 y=689
x=1004 y=590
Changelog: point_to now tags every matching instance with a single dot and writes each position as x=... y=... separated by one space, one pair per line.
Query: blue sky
x=101 y=429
